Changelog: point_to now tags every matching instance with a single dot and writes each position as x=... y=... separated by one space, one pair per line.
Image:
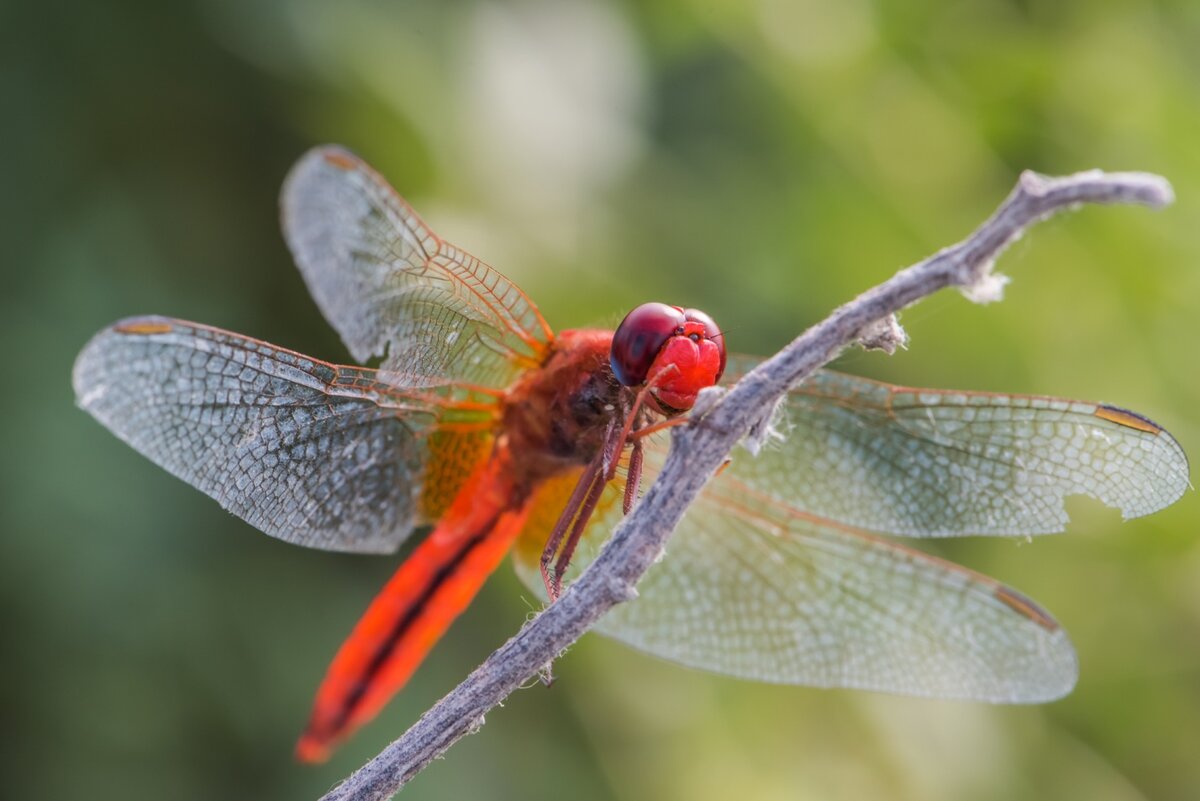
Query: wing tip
x=1127 y=418
x=86 y=390
x=1025 y=607
x=312 y=163
x=1173 y=481
x=1054 y=652
x=339 y=157
x=321 y=157
x=143 y=326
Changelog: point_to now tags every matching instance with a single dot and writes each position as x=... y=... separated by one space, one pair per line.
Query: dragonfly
x=491 y=434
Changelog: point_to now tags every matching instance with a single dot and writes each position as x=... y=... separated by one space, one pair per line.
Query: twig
x=699 y=448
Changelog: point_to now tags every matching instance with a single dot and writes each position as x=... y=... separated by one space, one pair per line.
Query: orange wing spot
x=1025 y=607
x=341 y=161
x=144 y=328
x=1127 y=419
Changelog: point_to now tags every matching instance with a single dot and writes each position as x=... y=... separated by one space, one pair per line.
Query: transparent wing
x=752 y=588
x=392 y=288
x=772 y=575
x=935 y=463
x=312 y=453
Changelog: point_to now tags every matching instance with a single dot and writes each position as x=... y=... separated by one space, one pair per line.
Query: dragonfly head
x=678 y=351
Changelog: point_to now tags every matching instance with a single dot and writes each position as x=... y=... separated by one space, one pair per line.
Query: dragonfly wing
x=392 y=288
x=312 y=453
x=932 y=463
x=773 y=575
x=755 y=589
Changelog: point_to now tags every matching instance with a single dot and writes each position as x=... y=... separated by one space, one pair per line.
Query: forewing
x=933 y=463
x=751 y=588
x=312 y=453
x=392 y=288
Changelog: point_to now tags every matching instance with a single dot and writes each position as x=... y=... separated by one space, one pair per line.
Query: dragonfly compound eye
x=639 y=339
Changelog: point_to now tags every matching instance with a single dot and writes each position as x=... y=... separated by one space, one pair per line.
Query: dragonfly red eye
x=639 y=339
x=682 y=347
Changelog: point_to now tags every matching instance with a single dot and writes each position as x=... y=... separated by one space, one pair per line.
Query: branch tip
x=1097 y=186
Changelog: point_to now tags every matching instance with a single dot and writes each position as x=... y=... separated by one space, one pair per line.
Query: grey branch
x=701 y=446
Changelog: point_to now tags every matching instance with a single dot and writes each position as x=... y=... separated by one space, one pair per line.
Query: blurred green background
x=762 y=159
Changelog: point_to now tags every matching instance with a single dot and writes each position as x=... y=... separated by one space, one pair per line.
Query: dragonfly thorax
x=556 y=417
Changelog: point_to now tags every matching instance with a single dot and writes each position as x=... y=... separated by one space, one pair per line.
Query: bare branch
x=700 y=447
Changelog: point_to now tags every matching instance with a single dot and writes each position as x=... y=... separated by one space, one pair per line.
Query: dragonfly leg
x=631 y=418
x=581 y=520
x=582 y=489
x=583 y=503
x=633 y=478
x=590 y=488
x=661 y=425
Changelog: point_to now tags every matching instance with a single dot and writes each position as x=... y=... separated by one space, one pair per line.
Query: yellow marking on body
x=546 y=506
x=341 y=161
x=453 y=456
x=144 y=328
x=1025 y=607
x=1124 y=418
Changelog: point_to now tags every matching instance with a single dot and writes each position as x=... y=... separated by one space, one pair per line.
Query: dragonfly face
x=676 y=351
x=506 y=437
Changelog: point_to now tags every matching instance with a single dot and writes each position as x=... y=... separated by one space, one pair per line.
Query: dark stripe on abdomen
x=400 y=629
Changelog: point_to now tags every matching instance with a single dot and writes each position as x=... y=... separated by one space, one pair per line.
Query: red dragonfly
x=485 y=425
